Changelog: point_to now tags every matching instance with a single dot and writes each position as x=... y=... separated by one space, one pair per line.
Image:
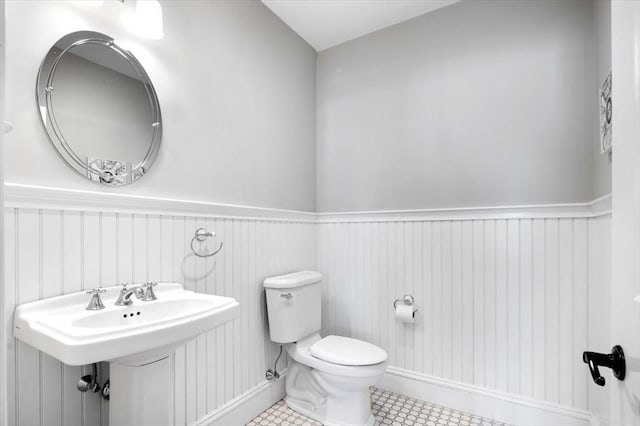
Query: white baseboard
x=504 y=407
x=508 y=408
x=244 y=408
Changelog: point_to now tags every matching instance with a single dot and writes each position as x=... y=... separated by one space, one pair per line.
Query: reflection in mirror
x=99 y=108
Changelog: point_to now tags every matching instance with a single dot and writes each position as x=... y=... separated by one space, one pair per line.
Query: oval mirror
x=99 y=108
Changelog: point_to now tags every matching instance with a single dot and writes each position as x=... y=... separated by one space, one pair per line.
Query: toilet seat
x=301 y=352
x=347 y=351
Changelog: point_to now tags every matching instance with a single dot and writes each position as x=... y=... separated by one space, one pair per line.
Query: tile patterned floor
x=280 y=414
x=389 y=408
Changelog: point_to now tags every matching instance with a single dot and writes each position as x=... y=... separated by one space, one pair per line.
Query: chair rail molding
x=44 y=197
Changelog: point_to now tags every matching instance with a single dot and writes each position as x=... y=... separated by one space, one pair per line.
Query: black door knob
x=614 y=360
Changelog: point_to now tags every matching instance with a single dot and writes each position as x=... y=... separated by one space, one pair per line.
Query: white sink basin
x=63 y=328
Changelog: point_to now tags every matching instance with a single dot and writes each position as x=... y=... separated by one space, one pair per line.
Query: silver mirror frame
x=44 y=90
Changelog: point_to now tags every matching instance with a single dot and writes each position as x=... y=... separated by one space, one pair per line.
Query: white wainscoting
x=504 y=303
x=55 y=251
x=508 y=297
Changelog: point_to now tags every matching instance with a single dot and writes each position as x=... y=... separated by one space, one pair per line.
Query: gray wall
x=479 y=103
x=602 y=36
x=236 y=87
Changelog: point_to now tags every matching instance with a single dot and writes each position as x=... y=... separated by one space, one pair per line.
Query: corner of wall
x=602 y=44
x=3 y=314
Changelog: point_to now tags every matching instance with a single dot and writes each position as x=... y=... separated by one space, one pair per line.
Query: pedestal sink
x=136 y=339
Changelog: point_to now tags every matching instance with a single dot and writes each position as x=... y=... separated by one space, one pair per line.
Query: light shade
x=89 y=3
x=148 y=20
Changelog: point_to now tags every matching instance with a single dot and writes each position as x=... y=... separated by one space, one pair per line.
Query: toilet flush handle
x=286 y=295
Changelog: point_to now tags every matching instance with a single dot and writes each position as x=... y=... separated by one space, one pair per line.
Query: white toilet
x=328 y=378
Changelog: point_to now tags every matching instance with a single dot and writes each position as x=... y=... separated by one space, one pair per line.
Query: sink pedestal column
x=141 y=395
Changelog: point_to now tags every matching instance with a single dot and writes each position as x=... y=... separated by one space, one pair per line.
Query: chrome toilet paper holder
x=407 y=299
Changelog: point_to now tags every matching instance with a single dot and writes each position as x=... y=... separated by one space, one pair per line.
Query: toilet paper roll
x=405 y=313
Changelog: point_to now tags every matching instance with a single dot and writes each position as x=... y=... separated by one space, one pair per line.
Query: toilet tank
x=293 y=305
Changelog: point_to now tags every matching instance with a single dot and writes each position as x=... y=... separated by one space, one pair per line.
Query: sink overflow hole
x=130 y=315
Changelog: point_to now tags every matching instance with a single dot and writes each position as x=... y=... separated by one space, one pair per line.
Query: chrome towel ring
x=201 y=235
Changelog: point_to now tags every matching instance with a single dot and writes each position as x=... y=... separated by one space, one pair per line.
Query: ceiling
x=326 y=23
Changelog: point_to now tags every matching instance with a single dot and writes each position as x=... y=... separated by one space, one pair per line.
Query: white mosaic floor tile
x=389 y=409
x=280 y=414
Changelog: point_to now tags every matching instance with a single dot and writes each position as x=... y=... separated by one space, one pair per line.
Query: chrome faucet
x=143 y=292
x=149 y=294
x=95 y=304
x=125 y=295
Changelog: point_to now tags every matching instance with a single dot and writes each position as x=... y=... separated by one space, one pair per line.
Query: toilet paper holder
x=407 y=299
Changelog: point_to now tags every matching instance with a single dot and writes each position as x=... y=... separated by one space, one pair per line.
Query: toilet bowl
x=328 y=378
x=320 y=386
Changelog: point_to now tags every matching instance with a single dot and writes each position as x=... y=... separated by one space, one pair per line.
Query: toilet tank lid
x=293 y=280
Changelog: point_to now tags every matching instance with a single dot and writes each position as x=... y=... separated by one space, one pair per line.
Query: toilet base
x=302 y=408
x=328 y=398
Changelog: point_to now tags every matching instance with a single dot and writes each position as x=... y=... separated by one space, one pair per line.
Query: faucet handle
x=148 y=291
x=95 y=304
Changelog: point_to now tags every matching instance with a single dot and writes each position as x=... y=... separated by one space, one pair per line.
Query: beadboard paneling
x=506 y=304
x=55 y=251
x=508 y=299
